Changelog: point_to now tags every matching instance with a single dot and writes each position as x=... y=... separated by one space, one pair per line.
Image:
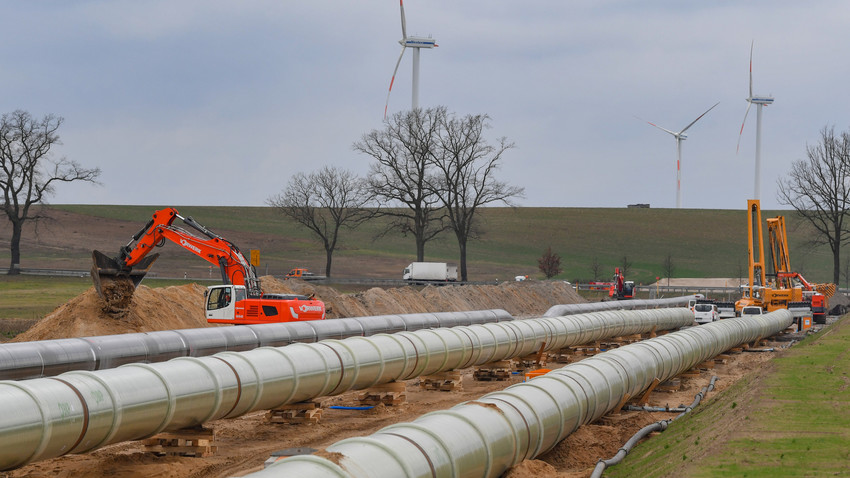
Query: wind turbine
x=417 y=43
x=759 y=101
x=680 y=136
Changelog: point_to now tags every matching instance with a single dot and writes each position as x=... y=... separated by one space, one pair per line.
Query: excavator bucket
x=115 y=283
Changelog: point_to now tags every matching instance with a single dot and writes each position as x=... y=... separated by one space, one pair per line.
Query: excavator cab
x=221 y=301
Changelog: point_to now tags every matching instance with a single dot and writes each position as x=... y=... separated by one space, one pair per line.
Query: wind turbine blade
x=393 y=81
x=751 y=69
x=698 y=117
x=742 y=127
x=653 y=124
x=404 y=22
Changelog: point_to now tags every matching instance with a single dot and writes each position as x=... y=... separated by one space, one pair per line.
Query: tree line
x=431 y=172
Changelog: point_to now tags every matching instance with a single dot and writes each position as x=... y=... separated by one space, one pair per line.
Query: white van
x=705 y=313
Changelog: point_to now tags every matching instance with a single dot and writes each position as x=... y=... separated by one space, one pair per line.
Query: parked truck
x=430 y=271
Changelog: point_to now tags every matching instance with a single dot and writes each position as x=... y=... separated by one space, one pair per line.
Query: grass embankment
x=791 y=418
x=701 y=243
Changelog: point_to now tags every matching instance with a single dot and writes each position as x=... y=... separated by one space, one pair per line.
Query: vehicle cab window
x=219 y=298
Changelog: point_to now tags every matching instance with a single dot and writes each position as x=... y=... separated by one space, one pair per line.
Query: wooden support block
x=486 y=375
x=672 y=385
x=294 y=413
x=493 y=371
x=389 y=394
x=694 y=372
x=194 y=442
x=707 y=365
x=308 y=405
x=387 y=398
x=443 y=381
x=722 y=358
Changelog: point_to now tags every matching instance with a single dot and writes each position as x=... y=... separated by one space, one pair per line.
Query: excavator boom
x=116 y=278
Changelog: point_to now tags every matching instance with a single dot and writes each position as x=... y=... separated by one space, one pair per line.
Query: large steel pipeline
x=632 y=304
x=46 y=358
x=80 y=411
x=485 y=437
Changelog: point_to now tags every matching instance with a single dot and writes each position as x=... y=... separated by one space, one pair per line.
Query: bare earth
x=246 y=442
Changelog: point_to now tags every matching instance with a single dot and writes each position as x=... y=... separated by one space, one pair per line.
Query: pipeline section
x=632 y=304
x=658 y=426
x=47 y=358
x=80 y=411
x=485 y=437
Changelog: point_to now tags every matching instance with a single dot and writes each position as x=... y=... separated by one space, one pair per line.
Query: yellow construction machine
x=787 y=289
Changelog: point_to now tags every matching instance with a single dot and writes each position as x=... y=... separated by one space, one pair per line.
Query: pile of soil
x=182 y=307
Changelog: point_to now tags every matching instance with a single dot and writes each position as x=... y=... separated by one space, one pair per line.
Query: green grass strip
x=792 y=418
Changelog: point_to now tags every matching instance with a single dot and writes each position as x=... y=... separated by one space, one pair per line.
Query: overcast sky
x=213 y=102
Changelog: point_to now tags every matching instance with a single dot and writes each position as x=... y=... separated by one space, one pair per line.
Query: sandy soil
x=246 y=442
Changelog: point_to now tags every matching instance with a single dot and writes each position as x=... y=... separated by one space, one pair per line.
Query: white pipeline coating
x=632 y=304
x=46 y=358
x=82 y=410
x=485 y=437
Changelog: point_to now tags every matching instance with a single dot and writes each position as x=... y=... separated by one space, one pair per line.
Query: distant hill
x=702 y=243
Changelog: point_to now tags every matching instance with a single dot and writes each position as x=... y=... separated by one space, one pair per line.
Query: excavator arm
x=116 y=279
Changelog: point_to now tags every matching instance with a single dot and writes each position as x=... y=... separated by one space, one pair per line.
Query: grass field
x=789 y=420
x=702 y=243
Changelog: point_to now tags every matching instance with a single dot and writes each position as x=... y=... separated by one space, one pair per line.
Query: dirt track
x=244 y=443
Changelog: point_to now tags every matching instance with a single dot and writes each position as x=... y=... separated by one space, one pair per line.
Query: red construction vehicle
x=239 y=300
x=620 y=287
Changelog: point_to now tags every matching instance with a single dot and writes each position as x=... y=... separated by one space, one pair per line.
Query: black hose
x=643 y=432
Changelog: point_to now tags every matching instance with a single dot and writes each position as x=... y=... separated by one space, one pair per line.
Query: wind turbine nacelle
x=761 y=100
x=682 y=136
x=418 y=42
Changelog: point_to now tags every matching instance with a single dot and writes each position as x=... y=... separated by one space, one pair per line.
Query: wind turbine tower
x=680 y=136
x=759 y=101
x=416 y=43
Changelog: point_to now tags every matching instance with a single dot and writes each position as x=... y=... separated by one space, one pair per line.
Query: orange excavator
x=620 y=287
x=239 y=300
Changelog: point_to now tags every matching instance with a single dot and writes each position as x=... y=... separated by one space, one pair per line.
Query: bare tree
x=668 y=267
x=324 y=202
x=818 y=188
x=465 y=175
x=399 y=179
x=28 y=171
x=595 y=268
x=549 y=263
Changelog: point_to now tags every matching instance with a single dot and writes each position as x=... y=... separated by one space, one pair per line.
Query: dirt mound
x=175 y=307
x=181 y=307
